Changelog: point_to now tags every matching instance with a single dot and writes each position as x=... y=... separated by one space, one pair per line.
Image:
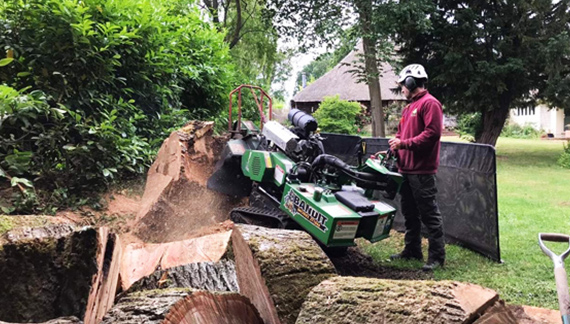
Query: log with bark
x=350 y=300
x=211 y=276
x=173 y=306
x=61 y=320
x=57 y=271
x=176 y=204
x=277 y=268
x=141 y=260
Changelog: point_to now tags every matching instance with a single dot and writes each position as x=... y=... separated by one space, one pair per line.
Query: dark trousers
x=419 y=206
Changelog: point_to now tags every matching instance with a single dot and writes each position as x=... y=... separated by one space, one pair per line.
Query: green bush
x=517 y=131
x=91 y=89
x=469 y=125
x=564 y=159
x=339 y=116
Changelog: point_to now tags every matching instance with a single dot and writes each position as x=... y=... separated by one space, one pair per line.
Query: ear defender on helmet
x=410 y=83
x=413 y=76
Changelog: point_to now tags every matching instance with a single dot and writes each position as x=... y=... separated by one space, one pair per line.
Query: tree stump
x=211 y=276
x=176 y=204
x=57 y=271
x=177 y=306
x=277 y=268
x=348 y=300
x=140 y=260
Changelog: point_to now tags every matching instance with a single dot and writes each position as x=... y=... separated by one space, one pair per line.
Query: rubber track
x=261 y=214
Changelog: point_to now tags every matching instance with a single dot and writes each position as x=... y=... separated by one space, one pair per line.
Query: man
x=417 y=145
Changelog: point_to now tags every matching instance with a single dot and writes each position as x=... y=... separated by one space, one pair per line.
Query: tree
x=327 y=61
x=252 y=39
x=324 y=21
x=490 y=56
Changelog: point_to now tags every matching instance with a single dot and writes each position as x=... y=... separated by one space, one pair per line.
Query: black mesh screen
x=467 y=189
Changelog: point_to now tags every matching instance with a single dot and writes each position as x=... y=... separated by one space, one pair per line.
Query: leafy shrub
x=338 y=116
x=517 y=131
x=93 y=87
x=392 y=115
x=564 y=159
x=469 y=125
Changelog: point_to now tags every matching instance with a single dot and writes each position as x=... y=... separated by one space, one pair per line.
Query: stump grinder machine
x=293 y=183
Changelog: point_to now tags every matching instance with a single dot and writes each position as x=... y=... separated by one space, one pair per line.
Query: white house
x=541 y=117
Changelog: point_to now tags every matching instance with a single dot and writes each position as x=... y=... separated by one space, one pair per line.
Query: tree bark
x=177 y=306
x=61 y=320
x=277 y=268
x=365 y=300
x=176 y=204
x=140 y=260
x=211 y=276
x=58 y=271
x=493 y=122
x=364 y=8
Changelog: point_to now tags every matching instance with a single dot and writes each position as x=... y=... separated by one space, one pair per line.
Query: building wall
x=541 y=118
x=311 y=107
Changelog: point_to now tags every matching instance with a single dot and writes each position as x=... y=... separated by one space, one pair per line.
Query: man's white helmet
x=413 y=70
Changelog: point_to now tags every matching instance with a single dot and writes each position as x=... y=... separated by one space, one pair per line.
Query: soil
x=356 y=263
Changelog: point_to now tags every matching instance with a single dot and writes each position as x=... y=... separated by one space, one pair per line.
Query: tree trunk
x=236 y=35
x=58 y=271
x=141 y=260
x=364 y=8
x=176 y=204
x=211 y=276
x=277 y=268
x=493 y=122
x=367 y=300
x=174 y=306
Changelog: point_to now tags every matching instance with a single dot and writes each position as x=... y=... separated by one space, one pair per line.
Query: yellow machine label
x=268 y=163
x=298 y=206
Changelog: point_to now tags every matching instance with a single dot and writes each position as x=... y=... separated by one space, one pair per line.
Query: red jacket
x=420 y=131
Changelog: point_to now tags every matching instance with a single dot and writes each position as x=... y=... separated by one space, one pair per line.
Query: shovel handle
x=553 y=237
x=562 y=289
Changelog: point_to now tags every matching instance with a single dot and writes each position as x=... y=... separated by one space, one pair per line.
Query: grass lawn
x=534 y=196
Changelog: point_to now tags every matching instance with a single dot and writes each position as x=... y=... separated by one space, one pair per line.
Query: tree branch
x=236 y=37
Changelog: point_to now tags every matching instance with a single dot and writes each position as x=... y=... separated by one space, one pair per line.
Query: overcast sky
x=298 y=62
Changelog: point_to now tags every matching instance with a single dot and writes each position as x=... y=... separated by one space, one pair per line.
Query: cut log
x=55 y=272
x=105 y=282
x=19 y=225
x=61 y=320
x=366 y=300
x=176 y=204
x=141 y=260
x=499 y=313
x=535 y=315
x=276 y=269
x=218 y=276
x=170 y=306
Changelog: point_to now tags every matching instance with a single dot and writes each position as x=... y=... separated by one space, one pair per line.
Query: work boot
x=405 y=255
x=432 y=265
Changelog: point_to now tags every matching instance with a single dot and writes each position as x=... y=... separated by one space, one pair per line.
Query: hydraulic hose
x=326 y=159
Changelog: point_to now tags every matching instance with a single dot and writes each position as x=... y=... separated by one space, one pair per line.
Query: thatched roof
x=340 y=81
